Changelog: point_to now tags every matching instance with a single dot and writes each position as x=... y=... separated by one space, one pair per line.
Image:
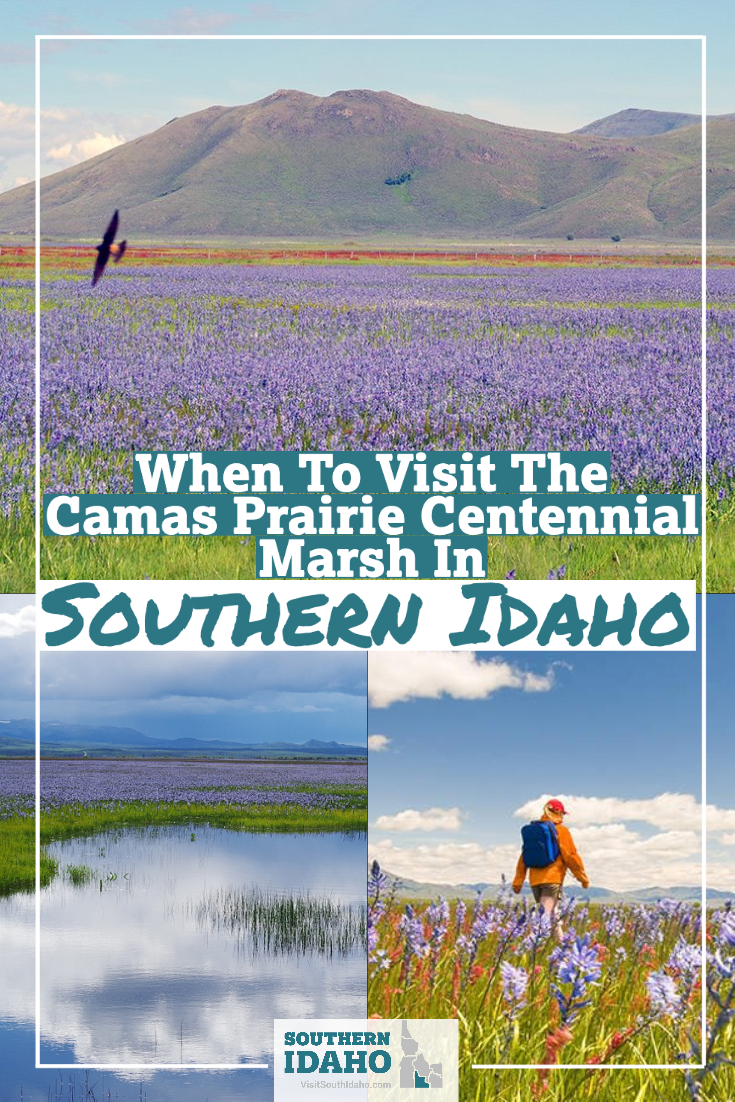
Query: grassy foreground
x=139 y=558
x=17 y=834
x=621 y=987
x=604 y=558
x=18 y=552
x=594 y=1085
x=721 y=555
x=521 y=997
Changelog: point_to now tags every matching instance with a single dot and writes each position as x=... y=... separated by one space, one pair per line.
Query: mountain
x=412 y=889
x=373 y=165
x=77 y=733
x=637 y=123
x=64 y=739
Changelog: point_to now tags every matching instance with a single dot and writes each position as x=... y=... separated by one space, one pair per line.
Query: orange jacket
x=555 y=872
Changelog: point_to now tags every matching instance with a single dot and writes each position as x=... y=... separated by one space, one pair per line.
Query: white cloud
x=68 y=136
x=618 y=860
x=17 y=135
x=406 y=676
x=720 y=818
x=16 y=123
x=378 y=742
x=445 y=862
x=72 y=152
x=17 y=126
x=17 y=623
x=434 y=818
x=60 y=152
x=667 y=811
x=666 y=852
x=55 y=114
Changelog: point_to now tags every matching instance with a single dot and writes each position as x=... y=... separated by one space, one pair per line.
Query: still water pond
x=162 y=955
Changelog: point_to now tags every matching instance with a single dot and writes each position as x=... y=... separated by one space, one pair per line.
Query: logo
x=416 y=1071
x=382 y=1058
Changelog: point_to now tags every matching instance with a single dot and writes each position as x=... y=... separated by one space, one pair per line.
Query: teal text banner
x=371 y=472
x=355 y=515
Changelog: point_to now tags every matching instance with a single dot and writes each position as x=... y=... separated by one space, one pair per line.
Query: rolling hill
x=634 y=122
x=368 y=165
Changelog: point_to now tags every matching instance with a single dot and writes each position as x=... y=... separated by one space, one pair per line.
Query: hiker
x=548 y=851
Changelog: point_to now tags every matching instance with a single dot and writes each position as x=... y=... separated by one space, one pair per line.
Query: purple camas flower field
x=17 y=389
x=622 y=984
x=98 y=784
x=241 y=357
x=372 y=357
x=81 y=797
x=720 y=387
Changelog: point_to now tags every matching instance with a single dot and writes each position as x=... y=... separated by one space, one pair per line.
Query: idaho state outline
x=416 y=1071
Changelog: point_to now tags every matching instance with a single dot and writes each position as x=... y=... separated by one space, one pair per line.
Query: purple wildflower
x=579 y=966
x=515 y=981
x=377 y=881
x=663 y=994
x=726 y=931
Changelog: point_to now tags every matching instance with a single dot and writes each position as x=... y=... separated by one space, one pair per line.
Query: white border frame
x=360 y=38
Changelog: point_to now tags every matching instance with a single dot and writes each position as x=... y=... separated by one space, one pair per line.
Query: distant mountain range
x=635 y=123
x=372 y=165
x=17 y=739
x=412 y=889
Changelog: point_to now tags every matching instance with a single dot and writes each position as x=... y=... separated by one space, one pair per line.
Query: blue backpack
x=540 y=844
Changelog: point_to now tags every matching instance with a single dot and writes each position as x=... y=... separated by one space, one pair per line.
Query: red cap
x=557 y=807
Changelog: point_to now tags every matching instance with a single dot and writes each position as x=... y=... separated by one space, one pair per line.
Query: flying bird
x=108 y=249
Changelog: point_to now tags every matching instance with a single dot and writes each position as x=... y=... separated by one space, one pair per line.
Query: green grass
x=119 y=558
x=721 y=554
x=286 y=925
x=78 y=875
x=17 y=834
x=458 y=977
x=451 y=982
x=597 y=557
x=18 y=552
x=18 y=857
x=565 y=1085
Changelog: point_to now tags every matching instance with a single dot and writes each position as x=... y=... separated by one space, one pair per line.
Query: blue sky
x=532 y=82
x=97 y=94
x=278 y=696
x=452 y=778
x=720 y=666
x=604 y=713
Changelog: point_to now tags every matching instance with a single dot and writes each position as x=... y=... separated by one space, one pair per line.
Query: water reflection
x=21 y=1082
x=129 y=975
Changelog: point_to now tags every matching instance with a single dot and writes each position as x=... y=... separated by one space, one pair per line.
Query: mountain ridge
x=636 y=122
x=17 y=738
x=411 y=889
x=363 y=164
